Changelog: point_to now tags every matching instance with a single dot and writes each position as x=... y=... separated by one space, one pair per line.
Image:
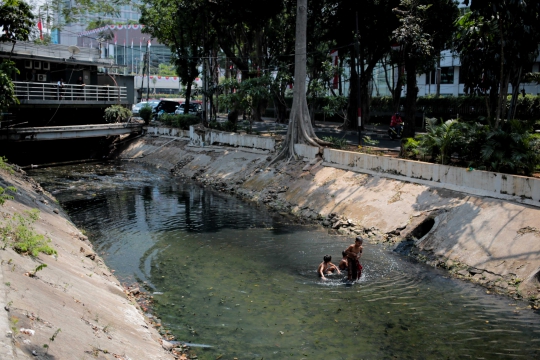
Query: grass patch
x=18 y=233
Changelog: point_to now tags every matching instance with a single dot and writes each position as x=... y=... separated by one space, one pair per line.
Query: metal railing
x=35 y=91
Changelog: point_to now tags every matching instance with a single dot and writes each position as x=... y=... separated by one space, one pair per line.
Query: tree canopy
x=497 y=41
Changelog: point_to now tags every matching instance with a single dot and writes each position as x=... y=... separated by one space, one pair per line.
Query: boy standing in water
x=326 y=267
x=354 y=252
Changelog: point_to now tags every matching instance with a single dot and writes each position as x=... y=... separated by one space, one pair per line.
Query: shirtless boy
x=326 y=267
x=343 y=262
x=354 y=252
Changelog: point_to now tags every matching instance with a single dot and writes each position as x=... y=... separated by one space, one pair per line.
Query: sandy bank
x=74 y=306
x=492 y=242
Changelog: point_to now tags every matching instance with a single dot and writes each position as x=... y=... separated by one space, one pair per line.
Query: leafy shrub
x=23 y=238
x=214 y=125
x=4 y=165
x=179 y=120
x=440 y=139
x=512 y=148
x=185 y=121
x=336 y=142
x=146 y=113
x=3 y=196
x=228 y=126
x=410 y=148
x=117 y=113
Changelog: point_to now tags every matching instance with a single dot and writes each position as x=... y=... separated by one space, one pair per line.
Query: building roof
x=54 y=53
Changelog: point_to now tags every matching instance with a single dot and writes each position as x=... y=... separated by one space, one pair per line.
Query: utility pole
x=148 y=65
x=141 y=89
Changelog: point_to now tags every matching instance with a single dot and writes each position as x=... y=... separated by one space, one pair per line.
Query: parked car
x=194 y=109
x=165 y=106
x=136 y=107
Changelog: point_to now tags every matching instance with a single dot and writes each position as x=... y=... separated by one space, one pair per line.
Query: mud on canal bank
x=491 y=242
x=67 y=305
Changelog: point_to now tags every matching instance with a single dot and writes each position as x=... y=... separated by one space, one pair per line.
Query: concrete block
x=306 y=151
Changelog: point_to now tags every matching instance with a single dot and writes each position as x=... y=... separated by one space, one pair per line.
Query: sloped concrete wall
x=484 y=183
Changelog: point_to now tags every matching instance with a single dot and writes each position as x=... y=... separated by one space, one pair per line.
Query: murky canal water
x=235 y=277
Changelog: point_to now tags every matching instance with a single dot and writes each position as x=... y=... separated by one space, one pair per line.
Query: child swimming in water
x=326 y=267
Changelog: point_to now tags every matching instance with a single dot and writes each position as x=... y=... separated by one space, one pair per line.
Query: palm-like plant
x=511 y=149
x=440 y=140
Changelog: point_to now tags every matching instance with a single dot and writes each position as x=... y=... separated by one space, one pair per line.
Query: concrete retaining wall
x=211 y=137
x=155 y=130
x=244 y=140
x=306 y=151
x=503 y=186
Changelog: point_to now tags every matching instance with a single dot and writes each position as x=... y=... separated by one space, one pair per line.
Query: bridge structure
x=69 y=132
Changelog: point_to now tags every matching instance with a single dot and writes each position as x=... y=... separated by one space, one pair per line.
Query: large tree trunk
x=365 y=97
x=300 y=130
x=280 y=107
x=188 y=97
x=410 y=102
x=352 y=110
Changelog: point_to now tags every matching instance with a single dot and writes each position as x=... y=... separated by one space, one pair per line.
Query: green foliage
x=46 y=40
x=51 y=339
x=182 y=121
x=97 y=23
x=166 y=70
x=513 y=148
x=78 y=11
x=226 y=126
x=179 y=25
x=440 y=140
x=19 y=233
x=336 y=142
x=410 y=148
x=495 y=41
x=382 y=103
x=117 y=113
x=16 y=20
x=334 y=106
x=7 y=88
x=4 y=165
x=38 y=268
x=245 y=95
x=4 y=196
x=146 y=113
x=464 y=107
x=367 y=140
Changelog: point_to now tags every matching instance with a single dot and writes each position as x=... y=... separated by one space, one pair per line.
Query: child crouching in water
x=326 y=267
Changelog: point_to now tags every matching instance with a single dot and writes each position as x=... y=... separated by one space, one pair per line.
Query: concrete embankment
x=494 y=242
x=72 y=308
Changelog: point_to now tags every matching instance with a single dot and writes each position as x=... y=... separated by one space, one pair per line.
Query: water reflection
x=235 y=277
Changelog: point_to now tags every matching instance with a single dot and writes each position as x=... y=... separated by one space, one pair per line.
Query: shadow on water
x=234 y=277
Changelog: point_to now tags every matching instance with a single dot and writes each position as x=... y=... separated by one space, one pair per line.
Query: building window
x=447 y=75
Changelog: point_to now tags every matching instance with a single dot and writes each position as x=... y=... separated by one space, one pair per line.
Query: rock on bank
x=74 y=308
x=493 y=242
